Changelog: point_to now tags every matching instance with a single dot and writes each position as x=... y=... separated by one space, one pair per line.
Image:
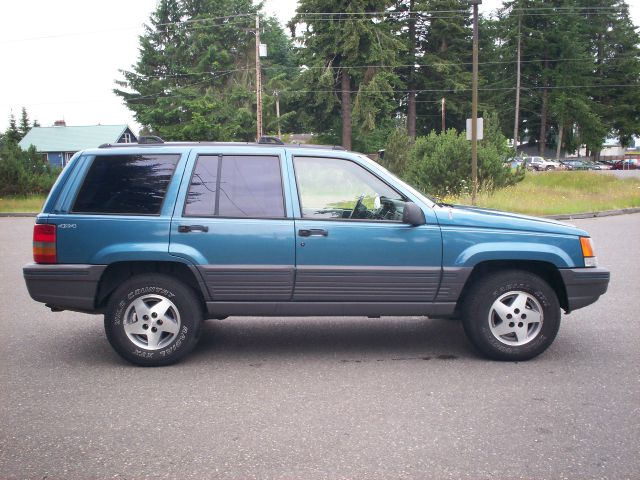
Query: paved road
x=323 y=398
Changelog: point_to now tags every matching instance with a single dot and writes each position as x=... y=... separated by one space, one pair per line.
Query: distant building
x=60 y=142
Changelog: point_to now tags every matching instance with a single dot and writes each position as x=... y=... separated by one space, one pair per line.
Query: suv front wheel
x=511 y=315
x=153 y=320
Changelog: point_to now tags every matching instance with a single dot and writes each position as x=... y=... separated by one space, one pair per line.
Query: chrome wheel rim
x=516 y=318
x=152 y=322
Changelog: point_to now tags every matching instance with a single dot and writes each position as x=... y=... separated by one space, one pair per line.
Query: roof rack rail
x=146 y=142
x=270 y=140
x=149 y=139
x=142 y=140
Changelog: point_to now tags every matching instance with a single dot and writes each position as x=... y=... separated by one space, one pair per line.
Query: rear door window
x=236 y=186
x=126 y=184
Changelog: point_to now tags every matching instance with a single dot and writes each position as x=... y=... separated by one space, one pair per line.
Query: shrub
x=24 y=173
x=397 y=151
x=440 y=164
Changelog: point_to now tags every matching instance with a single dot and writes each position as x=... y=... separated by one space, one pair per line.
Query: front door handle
x=192 y=228
x=313 y=232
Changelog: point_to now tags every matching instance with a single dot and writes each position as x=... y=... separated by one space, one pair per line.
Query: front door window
x=338 y=189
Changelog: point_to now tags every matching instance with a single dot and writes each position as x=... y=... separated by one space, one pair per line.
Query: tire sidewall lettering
x=183 y=341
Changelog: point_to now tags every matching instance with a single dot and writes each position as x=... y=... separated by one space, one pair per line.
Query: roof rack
x=149 y=139
x=157 y=141
x=270 y=141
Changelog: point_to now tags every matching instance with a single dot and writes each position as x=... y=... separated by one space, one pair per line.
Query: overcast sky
x=60 y=57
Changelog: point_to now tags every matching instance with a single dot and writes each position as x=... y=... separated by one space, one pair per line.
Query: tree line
x=352 y=71
x=23 y=172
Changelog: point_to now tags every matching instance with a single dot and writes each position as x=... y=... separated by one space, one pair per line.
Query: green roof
x=71 y=139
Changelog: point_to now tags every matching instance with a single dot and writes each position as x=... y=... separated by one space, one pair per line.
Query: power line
x=393 y=67
x=321 y=16
x=372 y=92
x=206 y=19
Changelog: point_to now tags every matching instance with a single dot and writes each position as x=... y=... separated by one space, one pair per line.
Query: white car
x=539 y=163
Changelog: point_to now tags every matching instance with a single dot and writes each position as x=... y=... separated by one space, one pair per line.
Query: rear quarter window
x=126 y=184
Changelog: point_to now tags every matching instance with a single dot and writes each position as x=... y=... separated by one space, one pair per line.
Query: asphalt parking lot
x=338 y=398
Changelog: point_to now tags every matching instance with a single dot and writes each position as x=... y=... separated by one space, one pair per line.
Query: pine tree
x=12 y=134
x=446 y=64
x=615 y=46
x=25 y=125
x=195 y=75
x=338 y=45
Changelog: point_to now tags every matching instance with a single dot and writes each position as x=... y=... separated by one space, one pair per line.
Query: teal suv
x=160 y=236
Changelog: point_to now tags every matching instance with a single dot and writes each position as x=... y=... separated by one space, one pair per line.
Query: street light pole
x=474 y=105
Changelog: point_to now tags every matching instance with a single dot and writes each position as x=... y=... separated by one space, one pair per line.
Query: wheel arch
x=545 y=270
x=117 y=273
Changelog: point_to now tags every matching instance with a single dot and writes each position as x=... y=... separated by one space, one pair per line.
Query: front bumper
x=584 y=285
x=64 y=287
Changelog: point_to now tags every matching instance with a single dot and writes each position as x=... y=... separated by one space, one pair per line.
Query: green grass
x=31 y=204
x=549 y=193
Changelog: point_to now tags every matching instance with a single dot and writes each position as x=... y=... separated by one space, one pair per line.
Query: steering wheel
x=357 y=206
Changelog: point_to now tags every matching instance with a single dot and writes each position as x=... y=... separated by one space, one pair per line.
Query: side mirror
x=413 y=215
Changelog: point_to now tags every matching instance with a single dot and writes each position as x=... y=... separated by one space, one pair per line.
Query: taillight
x=44 y=244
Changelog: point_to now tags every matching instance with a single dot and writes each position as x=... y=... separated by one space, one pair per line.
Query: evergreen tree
x=195 y=76
x=348 y=48
x=12 y=134
x=25 y=125
x=579 y=68
x=446 y=65
x=615 y=47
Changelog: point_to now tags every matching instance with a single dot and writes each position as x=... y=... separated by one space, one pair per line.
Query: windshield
x=430 y=201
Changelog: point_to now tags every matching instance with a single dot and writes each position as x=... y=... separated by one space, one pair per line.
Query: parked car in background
x=540 y=164
x=630 y=164
x=584 y=165
x=598 y=165
x=575 y=165
x=515 y=163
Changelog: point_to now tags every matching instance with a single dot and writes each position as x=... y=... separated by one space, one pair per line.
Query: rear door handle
x=192 y=228
x=313 y=232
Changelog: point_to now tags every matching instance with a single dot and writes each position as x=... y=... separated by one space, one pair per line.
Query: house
x=60 y=142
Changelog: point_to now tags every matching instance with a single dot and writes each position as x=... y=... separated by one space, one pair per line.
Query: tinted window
x=236 y=186
x=201 y=199
x=133 y=184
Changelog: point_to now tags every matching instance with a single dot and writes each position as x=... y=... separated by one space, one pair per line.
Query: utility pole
x=474 y=105
x=258 y=83
x=444 y=113
x=276 y=93
x=517 y=115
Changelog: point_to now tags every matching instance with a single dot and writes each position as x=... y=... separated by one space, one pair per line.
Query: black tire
x=526 y=332
x=176 y=328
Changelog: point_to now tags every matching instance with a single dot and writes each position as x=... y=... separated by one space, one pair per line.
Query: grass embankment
x=551 y=193
x=29 y=204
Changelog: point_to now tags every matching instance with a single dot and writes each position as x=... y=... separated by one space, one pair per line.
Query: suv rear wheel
x=511 y=315
x=153 y=320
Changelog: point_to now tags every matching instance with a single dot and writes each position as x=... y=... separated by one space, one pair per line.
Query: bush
x=24 y=173
x=440 y=164
x=397 y=151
